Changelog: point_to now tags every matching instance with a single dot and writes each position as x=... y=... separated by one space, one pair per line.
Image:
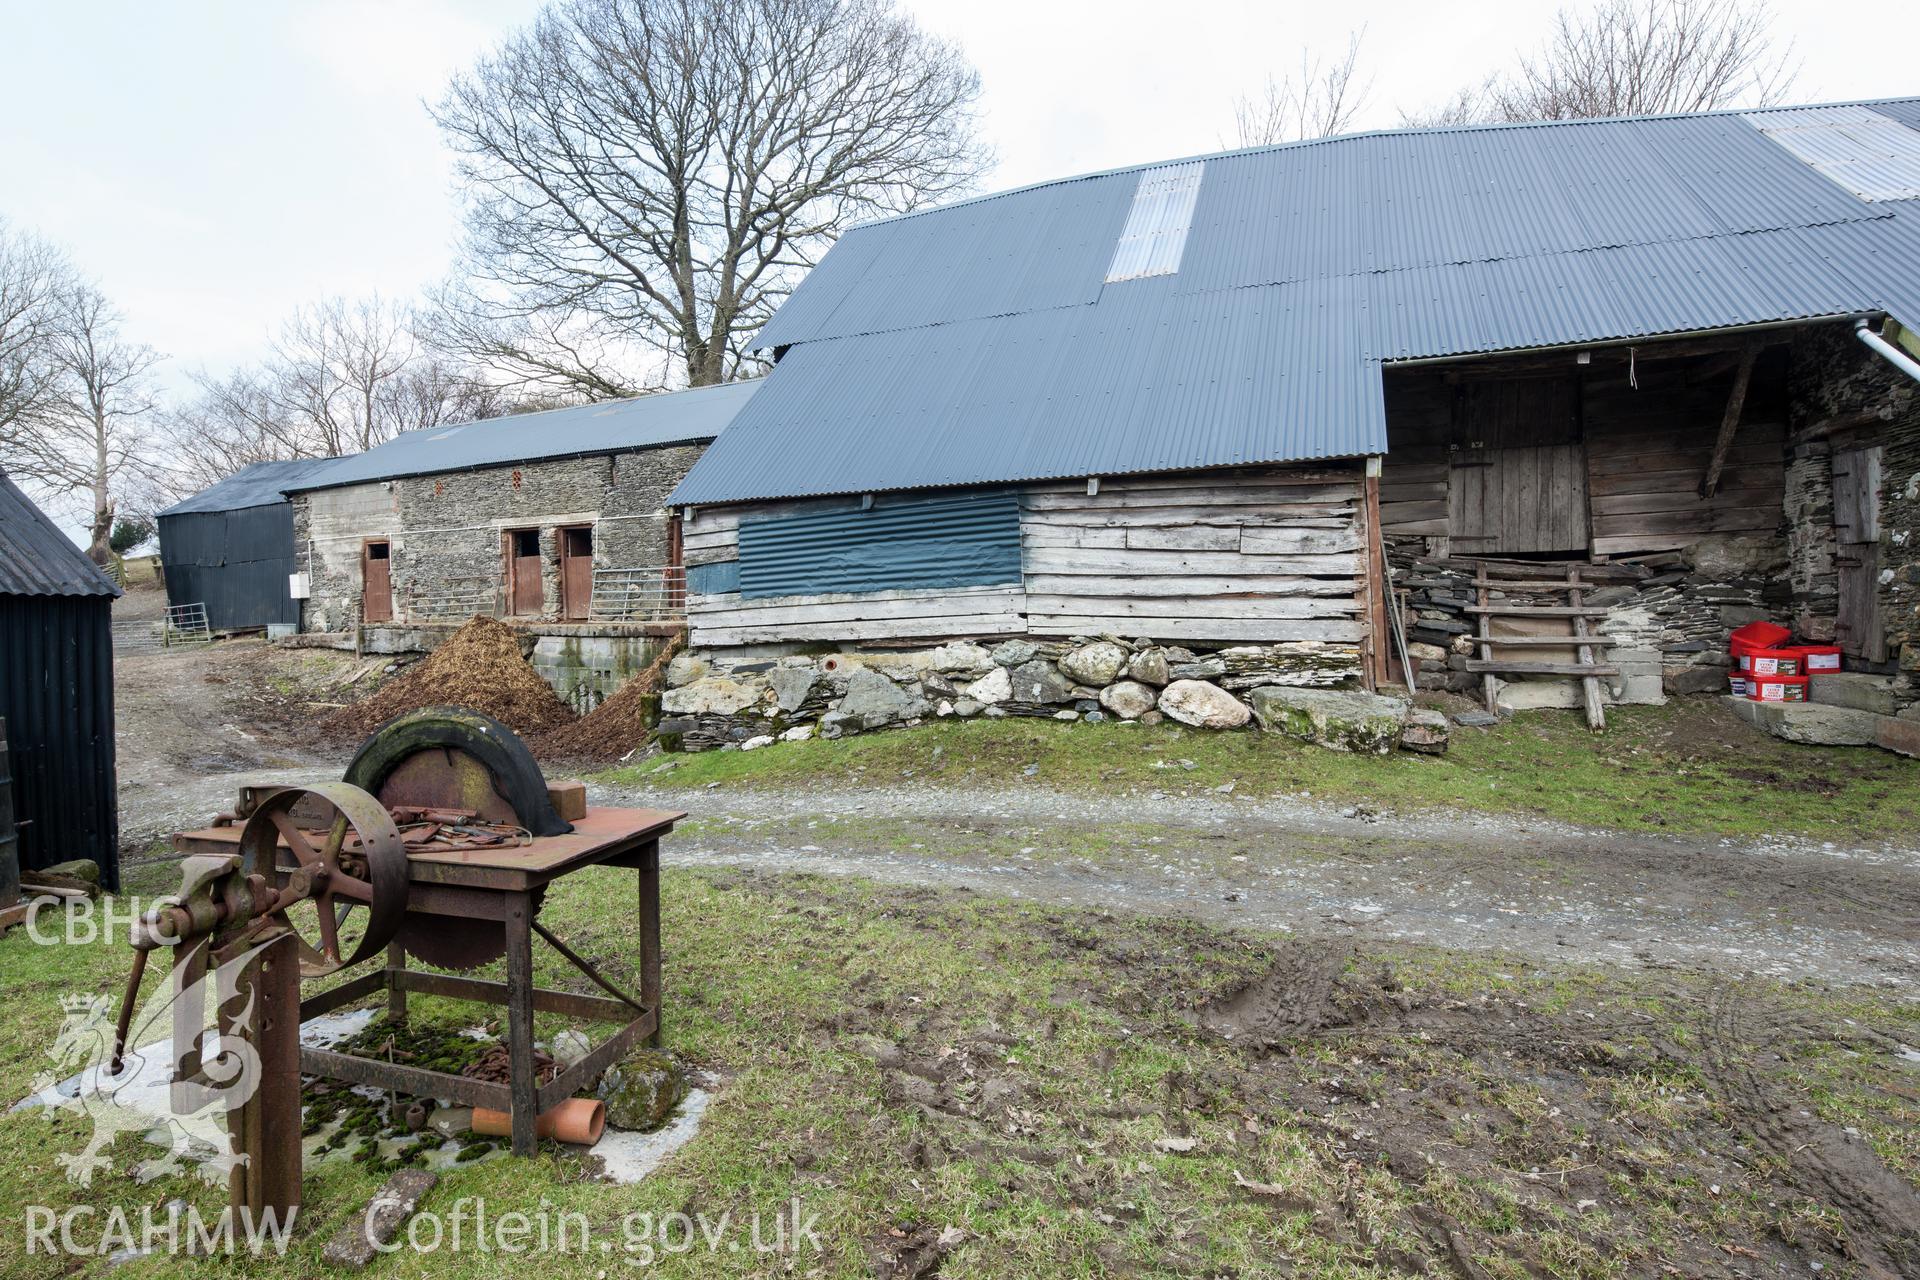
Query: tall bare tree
x=34 y=279
x=1637 y=57
x=647 y=178
x=89 y=433
x=1324 y=99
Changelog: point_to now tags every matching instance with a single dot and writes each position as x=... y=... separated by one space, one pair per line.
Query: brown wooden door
x=576 y=572
x=526 y=588
x=1519 y=477
x=376 y=582
x=1858 y=629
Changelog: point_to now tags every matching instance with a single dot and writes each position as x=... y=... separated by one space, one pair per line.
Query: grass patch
x=1688 y=767
x=1055 y=1087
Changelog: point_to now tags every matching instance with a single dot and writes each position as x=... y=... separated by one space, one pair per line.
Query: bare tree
x=646 y=179
x=34 y=278
x=88 y=434
x=1324 y=100
x=1638 y=57
x=341 y=377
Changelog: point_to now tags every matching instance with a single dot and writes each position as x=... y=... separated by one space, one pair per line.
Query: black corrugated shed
x=56 y=691
x=230 y=547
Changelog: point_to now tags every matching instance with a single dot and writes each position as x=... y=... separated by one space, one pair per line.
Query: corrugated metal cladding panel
x=664 y=418
x=1149 y=380
x=234 y=562
x=1043 y=247
x=961 y=540
x=1155 y=235
x=1874 y=156
x=56 y=695
x=36 y=559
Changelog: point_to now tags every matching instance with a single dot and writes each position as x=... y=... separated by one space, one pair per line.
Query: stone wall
x=446 y=531
x=723 y=698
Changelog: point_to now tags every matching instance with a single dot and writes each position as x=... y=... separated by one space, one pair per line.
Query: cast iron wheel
x=367 y=874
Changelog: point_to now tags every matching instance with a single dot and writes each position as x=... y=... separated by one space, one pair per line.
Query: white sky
x=216 y=164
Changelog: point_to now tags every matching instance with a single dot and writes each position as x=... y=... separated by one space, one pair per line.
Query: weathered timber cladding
x=1647 y=449
x=447 y=531
x=1266 y=555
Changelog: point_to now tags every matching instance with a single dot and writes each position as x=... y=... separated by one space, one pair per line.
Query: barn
x=230 y=547
x=1535 y=411
x=56 y=692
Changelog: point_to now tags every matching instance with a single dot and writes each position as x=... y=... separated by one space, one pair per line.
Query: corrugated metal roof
x=260 y=485
x=36 y=559
x=664 y=418
x=1872 y=155
x=1306 y=267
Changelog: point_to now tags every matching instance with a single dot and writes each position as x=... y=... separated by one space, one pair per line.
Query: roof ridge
x=1302 y=143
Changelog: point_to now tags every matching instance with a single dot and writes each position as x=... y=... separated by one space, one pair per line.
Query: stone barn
x=555 y=522
x=1536 y=413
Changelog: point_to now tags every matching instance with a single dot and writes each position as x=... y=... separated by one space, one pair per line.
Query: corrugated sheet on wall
x=966 y=540
x=56 y=695
x=234 y=562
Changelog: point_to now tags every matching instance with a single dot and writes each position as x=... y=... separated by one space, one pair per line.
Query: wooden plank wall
x=1268 y=556
x=1646 y=453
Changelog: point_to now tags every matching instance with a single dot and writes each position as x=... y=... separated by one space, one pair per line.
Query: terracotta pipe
x=580 y=1120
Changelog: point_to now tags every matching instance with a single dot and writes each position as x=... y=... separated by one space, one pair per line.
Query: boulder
x=712 y=695
x=935 y=685
x=1203 y=705
x=1476 y=719
x=874 y=701
x=1685 y=680
x=1810 y=722
x=685 y=668
x=1156 y=716
x=966 y=708
x=1149 y=666
x=791 y=685
x=1426 y=732
x=1039 y=681
x=1200 y=669
x=1129 y=699
x=754 y=744
x=1096 y=664
x=1013 y=653
x=799 y=733
x=641 y=1092
x=1428 y=653
x=991 y=689
x=1345 y=720
x=962 y=658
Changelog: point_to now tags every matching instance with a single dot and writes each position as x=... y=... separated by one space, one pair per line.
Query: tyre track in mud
x=1880 y=1210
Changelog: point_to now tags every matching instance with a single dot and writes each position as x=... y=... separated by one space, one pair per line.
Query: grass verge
x=1688 y=767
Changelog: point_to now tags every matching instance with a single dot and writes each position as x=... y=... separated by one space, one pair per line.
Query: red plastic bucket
x=1761 y=688
x=1771 y=662
x=1815 y=658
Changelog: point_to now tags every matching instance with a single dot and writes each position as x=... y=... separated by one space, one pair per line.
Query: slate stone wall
x=448 y=529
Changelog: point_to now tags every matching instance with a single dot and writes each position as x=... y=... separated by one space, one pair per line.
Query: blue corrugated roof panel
x=677 y=417
x=260 y=485
x=978 y=344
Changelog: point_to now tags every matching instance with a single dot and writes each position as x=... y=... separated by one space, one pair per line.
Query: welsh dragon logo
x=188 y=1118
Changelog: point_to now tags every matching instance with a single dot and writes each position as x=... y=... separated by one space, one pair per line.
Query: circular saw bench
x=438 y=845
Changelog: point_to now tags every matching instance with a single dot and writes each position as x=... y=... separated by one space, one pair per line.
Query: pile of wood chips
x=478 y=667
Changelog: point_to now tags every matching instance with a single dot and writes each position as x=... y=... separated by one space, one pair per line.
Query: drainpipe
x=1894 y=355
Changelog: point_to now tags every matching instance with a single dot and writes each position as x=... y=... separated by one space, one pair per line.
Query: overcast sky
x=215 y=164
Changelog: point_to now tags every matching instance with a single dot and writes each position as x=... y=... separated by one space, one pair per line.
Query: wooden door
x=376 y=581
x=526 y=587
x=1856 y=528
x=576 y=572
x=1518 y=482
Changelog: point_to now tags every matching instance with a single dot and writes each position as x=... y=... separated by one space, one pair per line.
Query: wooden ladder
x=1575 y=613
